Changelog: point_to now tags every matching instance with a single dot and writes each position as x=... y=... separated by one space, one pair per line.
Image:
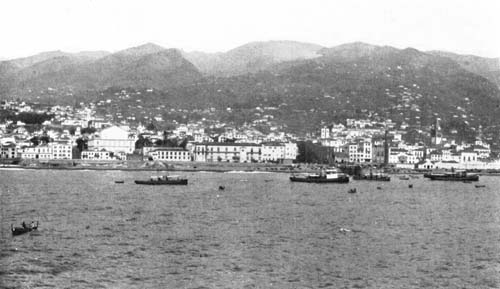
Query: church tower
x=437 y=135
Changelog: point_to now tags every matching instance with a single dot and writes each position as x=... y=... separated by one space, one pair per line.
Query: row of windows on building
x=225 y=149
x=170 y=155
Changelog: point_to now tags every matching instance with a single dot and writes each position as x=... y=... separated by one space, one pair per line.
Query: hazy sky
x=29 y=27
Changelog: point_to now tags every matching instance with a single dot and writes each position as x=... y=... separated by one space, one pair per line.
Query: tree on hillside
x=45 y=139
x=32 y=117
x=166 y=134
x=35 y=140
x=88 y=130
x=81 y=144
x=76 y=153
x=142 y=142
x=170 y=142
x=151 y=127
x=183 y=143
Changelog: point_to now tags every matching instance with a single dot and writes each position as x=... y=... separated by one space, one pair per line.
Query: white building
x=201 y=137
x=97 y=155
x=42 y=152
x=359 y=152
x=358 y=123
x=401 y=156
x=436 y=156
x=61 y=150
x=483 y=152
x=272 y=152
x=325 y=132
x=336 y=143
x=291 y=151
x=169 y=154
x=227 y=152
x=468 y=157
x=8 y=151
x=113 y=139
x=279 y=152
x=50 y=151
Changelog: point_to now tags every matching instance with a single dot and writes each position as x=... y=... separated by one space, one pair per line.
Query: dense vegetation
x=29 y=118
x=314 y=153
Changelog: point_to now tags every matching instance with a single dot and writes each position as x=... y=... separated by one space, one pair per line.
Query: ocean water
x=262 y=231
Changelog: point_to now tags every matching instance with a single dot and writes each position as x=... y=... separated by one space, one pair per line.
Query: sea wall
x=157 y=165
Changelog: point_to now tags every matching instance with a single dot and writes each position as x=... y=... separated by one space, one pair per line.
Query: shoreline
x=195 y=167
x=154 y=166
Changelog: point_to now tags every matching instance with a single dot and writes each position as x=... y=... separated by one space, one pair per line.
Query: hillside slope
x=355 y=80
x=147 y=65
x=252 y=57
x=486 y=67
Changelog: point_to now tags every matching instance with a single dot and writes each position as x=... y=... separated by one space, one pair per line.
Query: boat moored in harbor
x=453 y=176
x=370 y=174
x=372 y=177
x=325 y=176
x=163 y=180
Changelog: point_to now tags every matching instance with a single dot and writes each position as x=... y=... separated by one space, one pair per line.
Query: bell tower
x=437 y=135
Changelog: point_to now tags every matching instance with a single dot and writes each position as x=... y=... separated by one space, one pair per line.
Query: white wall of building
x=113 y=139
x=170 y=155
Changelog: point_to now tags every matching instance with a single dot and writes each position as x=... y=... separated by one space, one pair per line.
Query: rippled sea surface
x=262 y=231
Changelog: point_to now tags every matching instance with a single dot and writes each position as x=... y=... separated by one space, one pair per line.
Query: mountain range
x=155 y=66
x=148 y=65
x=321 y=83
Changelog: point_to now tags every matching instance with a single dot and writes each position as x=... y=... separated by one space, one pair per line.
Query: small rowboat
x=22 y=230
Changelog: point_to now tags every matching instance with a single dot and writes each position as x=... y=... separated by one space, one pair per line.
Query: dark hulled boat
x=428 y=175
x=372 y=177
x=163 y=180
x=453 y=176
x=327 y=176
